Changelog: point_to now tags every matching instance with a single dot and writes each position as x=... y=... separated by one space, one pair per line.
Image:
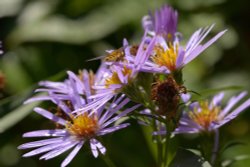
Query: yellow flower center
x=83 y=126
x=114 y=78
x=167 y=57
x=206 y=115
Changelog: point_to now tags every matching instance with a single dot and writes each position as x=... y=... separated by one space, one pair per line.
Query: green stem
x=158 y=142
x=167 y=143
x=108 y=161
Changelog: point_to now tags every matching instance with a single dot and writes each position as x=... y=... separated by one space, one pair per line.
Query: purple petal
x=186 y=130
x=50 y=116
x=47 y=148
x=234 y=100
x=45 y=133
x=98 y=145
x=41 y=143
x=122 y=114
x=180 y=58
x=112 y=111
x=38 y=98
x=112 y=129
x=185 y=97
x=59 y=151
x=217 y=99
x=95 y=104
x=200 y=35
x=73 y=153
x=201 y=48
x=102 y=94
x=147 y=23
x=94 y=149
x=234 y=113
x=165 y=21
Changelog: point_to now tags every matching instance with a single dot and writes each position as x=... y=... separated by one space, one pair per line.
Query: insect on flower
x=118 y=55
x=115 y=55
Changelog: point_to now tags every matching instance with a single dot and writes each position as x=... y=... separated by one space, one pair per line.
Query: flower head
x=163 y=22
x=168 y=57
x=117 y=75
x=76 y=129
x=208 y=116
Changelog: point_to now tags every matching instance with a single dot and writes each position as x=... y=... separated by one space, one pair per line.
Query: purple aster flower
x=76 y=129
x=163 y=22
x=168 y=57
x=117 y=75
x=209 y=116
x=76 y=90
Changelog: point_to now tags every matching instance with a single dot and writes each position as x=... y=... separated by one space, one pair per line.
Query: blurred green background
x=43 y=38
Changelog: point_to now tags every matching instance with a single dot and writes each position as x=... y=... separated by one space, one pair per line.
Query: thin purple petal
x=50 y=116
x=46 y=133
x=73 y=153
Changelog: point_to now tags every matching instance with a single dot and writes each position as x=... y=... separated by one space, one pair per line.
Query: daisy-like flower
x=117 y=75
x=163 y=22
x=209 y=116
x=76 y=90
x=169 y=57
x=76 y=129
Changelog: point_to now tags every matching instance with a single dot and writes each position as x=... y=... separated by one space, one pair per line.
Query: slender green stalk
x=108 y=161
x=158 y=142
x=167 y=143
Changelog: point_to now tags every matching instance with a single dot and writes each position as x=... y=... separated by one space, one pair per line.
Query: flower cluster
x=147 y=76
x=74 y=128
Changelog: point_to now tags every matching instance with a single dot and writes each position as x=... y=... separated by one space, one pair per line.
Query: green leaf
x=148 y=137
x=206 y=164
x=20 y=111
x=231 y=144
x=97 y=24
x=229 y=162
x=15 y=116
x=184 y=158
x=217 y=90
x=197 y=95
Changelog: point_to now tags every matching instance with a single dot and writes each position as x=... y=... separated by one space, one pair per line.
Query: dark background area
x=42 y=39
